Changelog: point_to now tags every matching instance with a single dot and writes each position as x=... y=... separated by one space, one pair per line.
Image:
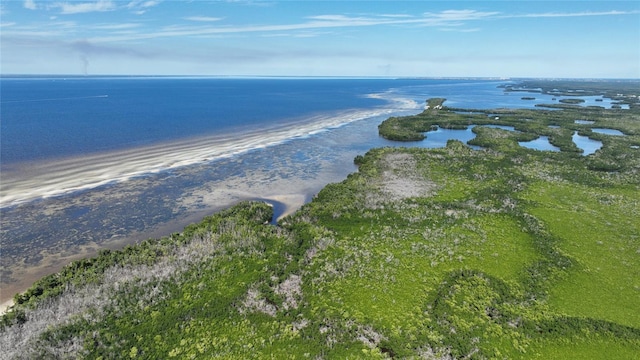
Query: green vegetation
x=571 y=101
x=444 y=253
x=622 y=91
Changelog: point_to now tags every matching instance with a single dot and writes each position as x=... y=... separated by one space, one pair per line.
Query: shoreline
x=5 y=306
x=53 y=263
x=287 y=181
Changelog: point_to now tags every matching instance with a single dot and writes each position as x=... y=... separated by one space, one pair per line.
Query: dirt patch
x=254 y=301
x=291 y=289
x=401 y=179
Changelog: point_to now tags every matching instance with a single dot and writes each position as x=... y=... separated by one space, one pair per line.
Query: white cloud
x=453 y=16
x=443 y=18
x=30 y=4
x=448 y=20
x=336 y=18
x=455 y=29
x=321 y=21
x=577 y=14
x=142 y=4
x=76 y=8
x=297 y=34
x=460 y=15
x=123 y=26
x=202 y=18
x=148 y=4
x=396 y=15
x=140 y=7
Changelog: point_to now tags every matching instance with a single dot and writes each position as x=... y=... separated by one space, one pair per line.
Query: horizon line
x=505 y=78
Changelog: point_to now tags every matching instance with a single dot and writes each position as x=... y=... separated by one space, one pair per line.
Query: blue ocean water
x=89 y=163
x=59 y=135
x=56 y=117
x=45 y=118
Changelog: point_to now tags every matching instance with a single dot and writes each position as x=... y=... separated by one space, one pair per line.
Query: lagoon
x=439 y=137
x=588 y=146
x=542 y=143
x=608 y=131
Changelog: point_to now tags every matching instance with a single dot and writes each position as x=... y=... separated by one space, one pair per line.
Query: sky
x=552 y=39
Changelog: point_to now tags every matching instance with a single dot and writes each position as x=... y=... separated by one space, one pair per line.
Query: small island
x=571 y=101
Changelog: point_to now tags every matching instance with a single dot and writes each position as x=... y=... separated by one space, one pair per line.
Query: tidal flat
x=448 y=252
x=47 y=234
x=40 y=237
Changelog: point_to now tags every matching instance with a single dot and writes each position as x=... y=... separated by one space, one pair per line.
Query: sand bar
x=58 y=177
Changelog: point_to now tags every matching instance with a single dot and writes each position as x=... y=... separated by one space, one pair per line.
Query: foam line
x=55 y=99
x=59 y=177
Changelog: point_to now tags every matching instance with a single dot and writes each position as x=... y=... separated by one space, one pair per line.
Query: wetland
x=440 y=252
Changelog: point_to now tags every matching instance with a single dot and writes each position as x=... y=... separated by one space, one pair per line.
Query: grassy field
x=500 y=253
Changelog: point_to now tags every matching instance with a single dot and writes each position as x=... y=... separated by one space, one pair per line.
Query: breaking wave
x=59 y=177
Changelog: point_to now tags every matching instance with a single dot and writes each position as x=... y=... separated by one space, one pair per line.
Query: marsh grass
x=439 y=254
